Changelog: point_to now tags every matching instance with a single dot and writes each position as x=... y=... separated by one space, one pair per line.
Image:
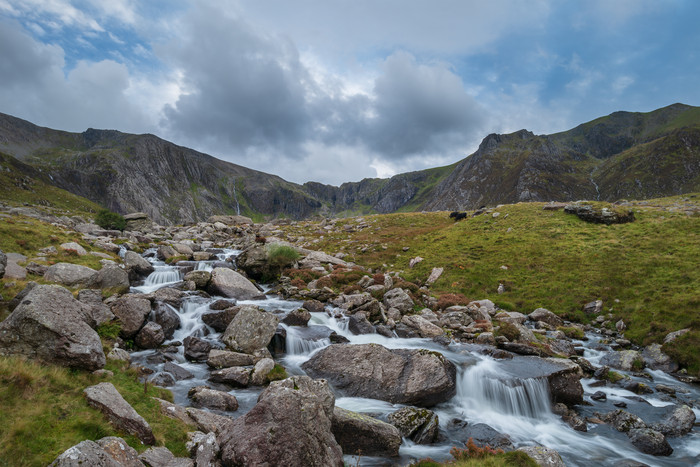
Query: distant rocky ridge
x=623 y=155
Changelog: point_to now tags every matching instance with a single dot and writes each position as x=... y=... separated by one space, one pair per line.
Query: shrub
x=509 y=331
x=473 y=451
x=298 y=283
x=452 y=299
x=110 y=220
x=378 y=278
x=352 y=288
x=282 y=255
x=306 y=275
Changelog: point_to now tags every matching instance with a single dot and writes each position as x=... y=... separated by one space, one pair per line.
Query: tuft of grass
x=572 y=332
x=277 y=373
x=282 y=255
x=109 y=330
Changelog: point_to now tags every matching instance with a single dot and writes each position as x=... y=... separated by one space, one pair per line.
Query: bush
x=452 y=299
x=282 y=255
x=473 y=451
x=110 y=220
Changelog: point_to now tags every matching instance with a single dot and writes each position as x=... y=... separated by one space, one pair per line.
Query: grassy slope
x=645 y=272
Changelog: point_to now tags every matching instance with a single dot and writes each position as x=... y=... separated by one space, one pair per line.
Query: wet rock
x=222 y=304
x=226 y=359
x=418 y=377
x=196 y=349
x=219 y=320
x=250 y=330
x=237 y=376
x=170 y=296
x=483 y=435
x=163 y=379
x=546 y=316
x=200 y=278
x=314 y=306
x=290 y=425
x=177 y=371
x=623 y=421
x=358 y=324
x=650 y=441
x=136 y=266
x=50 y=325
x=165 y=252
x=399 y=299
x=150 y=336
x=599 y=396
x=121 y=452
x=131 y=311
x=625 y=360
x=71 y=275
x=423 y=327
x=105 y=398
x=406 y=332
x=83 y=454
x=262 y=368
x=298 y=317
x=544 y=457
x=655 y=359
x=360 y=434
x=168 y=319
x=419 y=425
x=229 y=283
x=203 y=448
x=677 y=423
x=203 y=396
x=162 y=457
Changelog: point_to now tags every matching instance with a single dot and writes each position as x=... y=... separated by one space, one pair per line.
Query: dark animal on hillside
x=458 y=216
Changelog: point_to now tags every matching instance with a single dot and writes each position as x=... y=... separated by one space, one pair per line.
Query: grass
x=43 y=411
x=645 y=271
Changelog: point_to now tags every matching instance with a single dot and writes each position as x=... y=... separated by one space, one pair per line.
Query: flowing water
x=488 y=391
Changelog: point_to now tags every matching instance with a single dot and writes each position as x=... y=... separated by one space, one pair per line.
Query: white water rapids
x=487 y=392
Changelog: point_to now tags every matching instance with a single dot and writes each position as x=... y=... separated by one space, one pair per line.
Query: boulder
x=177 y=371
x=219 y=320
x=131 y=311
x=136 y=266
x=677 y=423
x=72 y=275
x=650 y=441
x=314 y=306
x=625 y=360
x=512 y=317
x=121 y=452
x=83 y=454
x=12 y=269
x=422 y=326
x=254 y=262
x=298 y=317
x=165 y=252
x=229 y=283
x=262 y=368
x=203 y=396
x=250 y=330
x=603 y=215
x=200 y=278
x=196 y=349
x=358 y=324
x=168 y=319
x=544 y=457
x=150 y=336
x=112 y=277
x=399 y=299
x=360 y=434
x=226 y=359
x=236 y=376
x=50 y=325
x=3 y=263
x=119 y=354
x=99 y=312
x=546 y=316
x=162 y=457
x=622 y=420
x=72 y=246
x=400 y=376
x=655 y=359
x=419 y=425
x=434 y=276
x=670 y=337
x=105 y=398
x=203 y=448
x=290 y=425
x=138 y=221
x=484 y=435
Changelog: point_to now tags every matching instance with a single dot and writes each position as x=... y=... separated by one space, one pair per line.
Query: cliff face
x=625 y=154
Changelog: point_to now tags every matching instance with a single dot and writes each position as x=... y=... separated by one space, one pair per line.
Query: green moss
x=278 y=373
x=572 y=332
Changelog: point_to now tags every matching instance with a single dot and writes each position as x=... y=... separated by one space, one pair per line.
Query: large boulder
x=563 y=376
x=650 y=441
x=254 y=262
x=136 y=265
x=603 y=215
x=625 y=360
x=105 y=398
x=71 y=275
x=402 y=376
x=419 y=425
x=131 y=311
x=250 y=330
x=112 y=277
x=361 y=434
x=546 y=316
x=290 y=425
x=99 y=312
x=150 y=336
x=677 y=423
x=543 y=456
x=50 y=325
x=655 y=359
x=83 y=454
x=229 y=283
x=399 y=299
x=167 y=317
x=203 y=396
x=423 y=327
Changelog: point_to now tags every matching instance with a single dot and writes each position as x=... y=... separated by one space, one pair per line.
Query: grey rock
x=203 y=396
x=419 y=425
x=423 y=327
x=650 y=441
x=623 y=421
x=672 y=336
x=512 y=317
x=222 y=304
x=361 y=434
x=72 y=246
x=177 y=371
x=358 y=324
x=162 y=457
x=165 y=252
x=150 y=336
x=599 y=216
x=168 y=319
x=200 y=278
x=250 y=330
x=83 y=454
x=655 y=359
x=99 y=311
x=678 y=423
x=625 y=360
x=262 y=368
x=290 y=425
x=131 y=311
x=236 y=376
x=404 y=376
x=3 y=263
x=543 y=314
x=72 y=275
x=36 y=269
x=399 y=299
x=121 y=452
x=484 y=435
x=226 y=359
x=105 y=398
x=298 y=317
x=543 y=456
x=229 y=283
x=111 y=276
x=136 y=266
x=314 y=306
x=219 y=320
x=196 y=349
x=50 y=325
x=203 y=448
x=593 y=308
x=119 y=354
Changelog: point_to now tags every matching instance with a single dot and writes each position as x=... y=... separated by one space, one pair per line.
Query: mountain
x=622 y=155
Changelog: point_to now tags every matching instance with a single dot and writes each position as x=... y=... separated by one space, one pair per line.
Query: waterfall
x=298 y=345
x=597 y=189
x=235 y=197
x=163 y=275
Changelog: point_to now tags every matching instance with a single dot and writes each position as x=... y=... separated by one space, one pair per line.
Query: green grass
x=43 y=412
x=645 y=272
x=508 y=459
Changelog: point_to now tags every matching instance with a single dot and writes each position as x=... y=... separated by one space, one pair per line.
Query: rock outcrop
x=361 y=434
x=228 y=283
x=250 y=330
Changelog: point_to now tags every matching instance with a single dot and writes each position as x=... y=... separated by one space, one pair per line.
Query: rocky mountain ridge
x=625 y=154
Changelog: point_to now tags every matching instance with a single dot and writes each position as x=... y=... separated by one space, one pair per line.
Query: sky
x=340 y=90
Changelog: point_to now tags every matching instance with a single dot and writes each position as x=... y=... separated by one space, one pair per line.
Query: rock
x=131 y=311
x=226 y=359
x=231 y=284
x=222 y=304
x=358 y=324
x=201 y=419
x=219 y=320
x=290 y=425
x=230 y=220
x=12 y=269
x=419 y=425
x=314 y=306
x=136 y=266
x=400 y=376
x=261 y=370
x=255 y=263
x=236 y=376
x=620 y=326
x=298 y=317
x=359 y=434
x=121 y=452
x=593 y=308
x=196 y=349
x=203 y=396
x=670 y=337
x=544 y=457
x=169 y=295
x=183 y=250
x=544 y=315
x=119 y=354
x=655 y=359
x=85 y=453
x=434 y=276
x=99 y=312
x=625 y=360
x=50 y=325
x=604 y=215
x=3 y=263
x=424 y=327
x=399 y=299
x=150 y=336
x=114 y=278
x=250 y=330
x=162 y=457
x=163 y=379
x=200 y=278
x=484 y=435
x=512 y=317
x=203 y=448
x=165 y=252
x=650 y=441
x=202 y=256
x=414 y=261
x=72 y=246
x=623 y=421
x=599 y=396
x=677 y=423
x=36 y=269
x=72 y=275
x=105 y=398
x=177 y=371
x=138 y=221
x=168 y=319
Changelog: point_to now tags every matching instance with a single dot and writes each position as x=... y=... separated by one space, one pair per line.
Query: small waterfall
x=298 y=345
x=122 y=251
x=191 y=323
x=205 y=266
x=163 y=275
x=235 y=197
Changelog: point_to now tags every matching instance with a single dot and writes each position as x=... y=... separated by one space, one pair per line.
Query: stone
x=114 y=278
x=99 y=312
x=262 y=368
x=671 y=336
x=484 y=435
x=121 y=452
x=419 y=425
x=236 y=376
x=414 y=261
x=622 y=420
x=226 y=359
x=656 y=359
x=36 y=269
x=650 y=441
x=625 y=360
x=230 y=220
x=138 y=221
x=678 y=423
x=290 y=425
x=599 y=396
x=168 y=319
x=399 y=299
x=298 y=317
x=229 y=283
x=105 y=398
x=165 y=252
x=203 y=448
x=314 y=306
x=72 y=246
x=83 y=454
x=434 y=276
x=50 y=325
x=546 y=316
x=183 y=249
x=250 y=330
x=360 y=434
x=358 y=324
x=401 y=376
x=119 y=354
x=593 y=308
x=203 y=396
x=196 y=349
x=424 y=327
x=131 y=311
x=512 y=317
x=543 y=456
x=71 y=275
x=136 y=266
x=150 y=336
x=200 y=278
x=3 y=264
x=219 y=320
x=177 y=371
x=162 y=457
x=222 y=304
x=604 y=215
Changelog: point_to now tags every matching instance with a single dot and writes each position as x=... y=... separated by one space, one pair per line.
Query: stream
x=489 y=391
